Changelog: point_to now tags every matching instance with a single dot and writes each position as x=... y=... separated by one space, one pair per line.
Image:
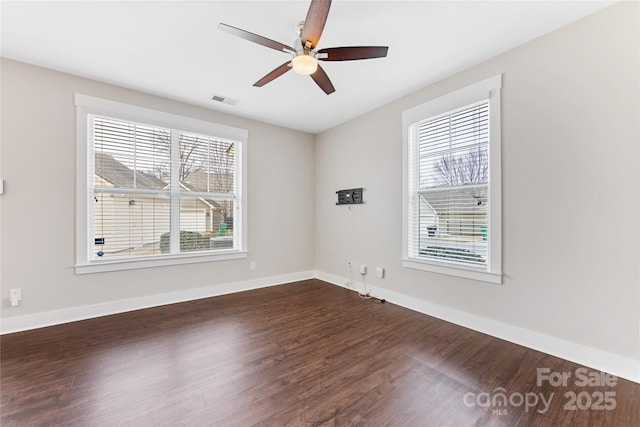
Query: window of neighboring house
x=452 y=184
x=156 y=188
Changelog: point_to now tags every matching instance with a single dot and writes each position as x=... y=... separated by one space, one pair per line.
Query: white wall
x=38 y=207
x=571 y=190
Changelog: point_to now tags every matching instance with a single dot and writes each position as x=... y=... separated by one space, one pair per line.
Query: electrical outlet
x=380 y=272
x=252 y=265
x=15 y=296
x=362 y=269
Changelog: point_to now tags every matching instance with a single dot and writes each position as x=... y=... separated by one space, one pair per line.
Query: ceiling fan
x=304 y=53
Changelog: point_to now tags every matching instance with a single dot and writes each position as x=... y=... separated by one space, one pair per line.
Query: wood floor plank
x=305 y=353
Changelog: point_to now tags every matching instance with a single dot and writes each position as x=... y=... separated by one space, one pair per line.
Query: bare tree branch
x=470 y=167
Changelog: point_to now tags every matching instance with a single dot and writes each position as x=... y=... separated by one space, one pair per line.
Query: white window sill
x=156 y=261
x=458 y=271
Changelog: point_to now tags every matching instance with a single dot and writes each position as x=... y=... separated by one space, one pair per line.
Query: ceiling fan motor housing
x=303 y=50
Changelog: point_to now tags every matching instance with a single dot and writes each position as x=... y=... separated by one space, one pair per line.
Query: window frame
x=490 y=90
x=89 y=105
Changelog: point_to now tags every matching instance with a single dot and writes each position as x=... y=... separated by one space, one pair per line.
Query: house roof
x=210 y=202
x=466 y=199
x=118 y=174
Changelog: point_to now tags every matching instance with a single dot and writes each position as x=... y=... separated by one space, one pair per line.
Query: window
x=452 y=199
x=156 y=188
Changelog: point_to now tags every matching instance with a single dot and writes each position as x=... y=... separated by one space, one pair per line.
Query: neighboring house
x=219 y=181
x=459 y=211
x=192 y=210
x=147 y=216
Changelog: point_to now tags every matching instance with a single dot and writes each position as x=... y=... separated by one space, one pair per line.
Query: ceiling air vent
x=224 y=99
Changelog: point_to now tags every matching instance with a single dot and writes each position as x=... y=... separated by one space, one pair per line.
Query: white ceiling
x=173 y=48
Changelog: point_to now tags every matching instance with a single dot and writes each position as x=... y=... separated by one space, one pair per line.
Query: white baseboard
x=621 y=366
x=50 y=318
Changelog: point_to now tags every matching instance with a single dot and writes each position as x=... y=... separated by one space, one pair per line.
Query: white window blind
x=450 y=176
x=158 y=191
x=452 y=197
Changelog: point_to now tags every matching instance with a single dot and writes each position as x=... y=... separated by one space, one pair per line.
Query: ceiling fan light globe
x=304 y=64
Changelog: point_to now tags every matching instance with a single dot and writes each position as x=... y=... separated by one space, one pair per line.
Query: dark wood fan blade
x=314 y=22
x=321 y=78
x=275 y=73
x=255 y=38
x=352 y=53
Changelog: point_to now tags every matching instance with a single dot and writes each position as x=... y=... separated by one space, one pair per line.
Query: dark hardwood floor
x=305 y=353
